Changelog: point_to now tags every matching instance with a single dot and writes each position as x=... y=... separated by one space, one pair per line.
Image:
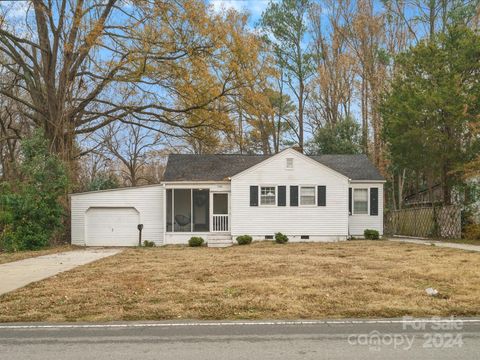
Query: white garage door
x=112 y=226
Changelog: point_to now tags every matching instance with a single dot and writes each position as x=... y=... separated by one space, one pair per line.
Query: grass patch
x=260 y=281
x=6 y=257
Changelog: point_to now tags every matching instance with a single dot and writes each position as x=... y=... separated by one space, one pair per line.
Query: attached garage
x=116 y=226
x=111 y=217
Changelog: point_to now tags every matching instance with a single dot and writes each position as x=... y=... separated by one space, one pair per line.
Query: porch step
x=219 y=241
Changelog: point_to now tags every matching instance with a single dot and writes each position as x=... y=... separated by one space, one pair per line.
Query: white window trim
x=368 y=200
x=260 y=195
x=300 y=195
x=286 y=163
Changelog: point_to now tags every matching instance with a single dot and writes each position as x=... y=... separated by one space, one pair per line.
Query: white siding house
x=308 y=219
x=219 y=197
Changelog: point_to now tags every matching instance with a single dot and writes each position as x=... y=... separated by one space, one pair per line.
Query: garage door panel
x=112 y=226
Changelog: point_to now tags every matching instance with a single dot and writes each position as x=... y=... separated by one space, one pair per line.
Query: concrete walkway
x=437 y=243
x=17 y=274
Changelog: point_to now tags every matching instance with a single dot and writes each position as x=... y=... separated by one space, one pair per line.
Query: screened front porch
x=197 y=210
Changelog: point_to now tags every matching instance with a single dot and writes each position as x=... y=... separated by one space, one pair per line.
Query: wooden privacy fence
x=429 y=222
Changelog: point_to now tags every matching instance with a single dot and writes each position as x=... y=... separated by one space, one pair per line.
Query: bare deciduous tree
x=130 y=145
x=83 y=64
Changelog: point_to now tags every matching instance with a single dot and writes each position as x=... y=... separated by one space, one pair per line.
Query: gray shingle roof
x=355 y=167
x=189 y=167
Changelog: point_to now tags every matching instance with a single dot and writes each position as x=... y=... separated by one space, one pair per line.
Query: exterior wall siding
x=358 y=223
x=321 y=223
x=147 y=200
x=172 y=238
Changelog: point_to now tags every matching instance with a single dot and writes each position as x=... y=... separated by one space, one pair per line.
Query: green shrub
x=31 y=213
x=472 y=232
x=280 y=238
x=195 y=241
x=244 y=240
x=147 y=243
x=370 y=234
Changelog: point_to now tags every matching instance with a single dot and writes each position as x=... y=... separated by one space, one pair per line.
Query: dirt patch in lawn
x=260 y=281
x=6 y=257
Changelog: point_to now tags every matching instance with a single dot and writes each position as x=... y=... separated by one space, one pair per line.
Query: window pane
x=307 y=195
x=201 y=214
x=182 y=206
x=360 y=201
x=267 y=195
x=169 y=210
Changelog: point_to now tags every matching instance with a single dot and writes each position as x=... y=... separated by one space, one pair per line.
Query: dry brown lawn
x=260 y=281
x=6 y=257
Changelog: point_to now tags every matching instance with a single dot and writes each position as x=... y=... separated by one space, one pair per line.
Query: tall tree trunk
x=401 y=183
x=431 y=17
x=447 y=194
x=240 y=131
x=300 y=115
x=364 y=115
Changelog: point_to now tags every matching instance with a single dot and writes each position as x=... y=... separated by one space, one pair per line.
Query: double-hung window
x=360 y=201
x=307 y=195
x=268 y=195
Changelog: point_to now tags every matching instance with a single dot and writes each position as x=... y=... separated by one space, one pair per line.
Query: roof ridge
x=220 y=154
x=217 y=154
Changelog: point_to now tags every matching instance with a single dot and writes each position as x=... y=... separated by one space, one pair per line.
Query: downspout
x=230 y=208
x=164 y=213
x=348 y=208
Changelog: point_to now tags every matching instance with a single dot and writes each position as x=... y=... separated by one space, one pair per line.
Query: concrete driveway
x=18 y=274
x=428 y=242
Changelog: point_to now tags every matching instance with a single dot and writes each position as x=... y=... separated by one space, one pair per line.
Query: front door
x=220 y=218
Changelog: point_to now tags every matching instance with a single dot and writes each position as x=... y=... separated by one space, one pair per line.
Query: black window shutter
x=350 y=201
x=293 y=195
x=253 y=195
x=322 y=195
x=282 y=196
x=373 y=201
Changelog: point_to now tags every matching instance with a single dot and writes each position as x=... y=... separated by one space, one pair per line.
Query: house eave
x=183 y=182
x=368 y=181
x=116 y=189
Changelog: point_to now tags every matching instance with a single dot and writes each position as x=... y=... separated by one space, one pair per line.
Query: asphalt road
x=374 y=339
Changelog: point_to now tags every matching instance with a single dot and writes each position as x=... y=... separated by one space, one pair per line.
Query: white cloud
x=220 y=5
x=254 y=7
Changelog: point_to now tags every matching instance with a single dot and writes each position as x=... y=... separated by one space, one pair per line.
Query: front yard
x=260 y=281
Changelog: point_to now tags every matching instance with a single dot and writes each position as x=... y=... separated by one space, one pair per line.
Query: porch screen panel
x=201 y=213
x=220 y=204
x=169 y=211
x=182 y=207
